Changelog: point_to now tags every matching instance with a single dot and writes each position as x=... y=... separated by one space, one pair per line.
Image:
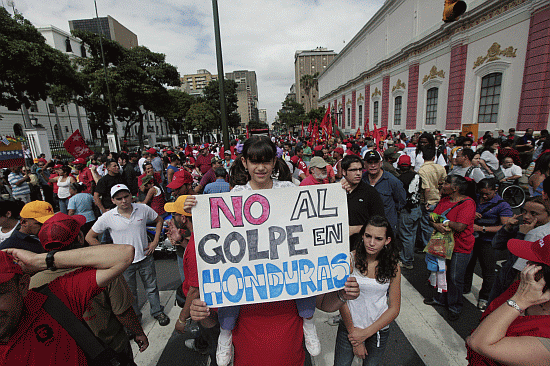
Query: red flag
x=316 y=131
x=329 y=129
x=326 y=121
x=309 y=127
x=358 y=133
x=366 y=128
x=302 y=128
x=247 y=131
x=76 y=146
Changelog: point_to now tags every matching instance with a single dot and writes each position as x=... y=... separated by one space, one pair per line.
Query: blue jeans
x=180 y=268
x=63 y=204
x=227 y=316
x=375 y=345
x=147 y=272
x=427 y=230
x=408 y=226
x=456 y=269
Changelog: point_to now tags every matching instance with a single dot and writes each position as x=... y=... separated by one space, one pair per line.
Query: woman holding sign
x=364 y=328
x=267 y=333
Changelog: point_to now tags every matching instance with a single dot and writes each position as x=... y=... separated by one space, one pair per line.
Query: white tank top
x=372 y=300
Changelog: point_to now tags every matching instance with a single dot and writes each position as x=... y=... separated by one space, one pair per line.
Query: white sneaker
x=313 y=345
x=223 y=352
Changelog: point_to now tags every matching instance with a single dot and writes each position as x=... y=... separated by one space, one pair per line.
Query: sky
x=257 y=35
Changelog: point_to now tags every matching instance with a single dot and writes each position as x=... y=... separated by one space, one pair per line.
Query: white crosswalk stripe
x=435 y=341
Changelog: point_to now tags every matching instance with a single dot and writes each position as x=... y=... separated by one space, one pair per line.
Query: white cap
x=117 y=188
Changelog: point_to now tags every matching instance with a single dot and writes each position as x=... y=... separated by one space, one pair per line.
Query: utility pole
x=221 y=77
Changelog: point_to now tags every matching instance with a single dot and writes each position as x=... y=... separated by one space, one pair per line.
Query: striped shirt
x=20 y=190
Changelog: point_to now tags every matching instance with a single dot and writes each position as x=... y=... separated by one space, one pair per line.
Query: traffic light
x=453 y=9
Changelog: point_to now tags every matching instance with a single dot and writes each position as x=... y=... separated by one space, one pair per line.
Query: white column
x=37 y=139
x=112 y=142
x=175 y=140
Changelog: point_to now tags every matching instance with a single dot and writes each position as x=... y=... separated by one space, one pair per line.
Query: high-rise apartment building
x=310 y=62
x=109 y=27
x=195 y=83
x=247 y=94
x=263 y=115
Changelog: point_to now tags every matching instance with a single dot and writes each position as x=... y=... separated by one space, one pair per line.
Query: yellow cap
x=38 y=210
x=177 y=206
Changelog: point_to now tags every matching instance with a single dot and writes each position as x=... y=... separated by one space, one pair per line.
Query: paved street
x=421 y=335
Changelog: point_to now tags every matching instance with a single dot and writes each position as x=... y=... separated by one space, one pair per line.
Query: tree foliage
x=175 y=109
x=291 y=114
x=30 y=68
x=212 y=96
x=308 y=82
x=316 y=114
x=202 y=117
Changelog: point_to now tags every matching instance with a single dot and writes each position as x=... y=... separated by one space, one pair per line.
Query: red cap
x=294 y=159
x=404 y=160
x=339 y=150
x=400 y=146
x=79 y=161
x=180 y=178
x=348 y=145
x=60 y=230
x=8 y=267
x=58 y=166
x=534 y=251
x=318 y=148
x=42 y=160
x=152 y=151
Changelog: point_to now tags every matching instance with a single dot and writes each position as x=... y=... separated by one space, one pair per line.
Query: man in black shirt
x=102 y=194
x=410 y=216
x=363 y=200
x=130 y=173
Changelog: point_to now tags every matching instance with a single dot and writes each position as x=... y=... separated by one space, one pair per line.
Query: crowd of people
x=401 y=191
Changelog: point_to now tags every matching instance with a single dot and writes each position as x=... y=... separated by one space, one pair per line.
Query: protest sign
x=76 y=146
x=271 y=245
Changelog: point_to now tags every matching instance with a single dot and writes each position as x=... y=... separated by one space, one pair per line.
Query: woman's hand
x=530 y=291
x=512 y=221
x=345 y=185
x=441 y=228
x=360 y=351
x=358 y=336
x=189 y=203
x=199 y=311
x=351 y=289
x=478 y=215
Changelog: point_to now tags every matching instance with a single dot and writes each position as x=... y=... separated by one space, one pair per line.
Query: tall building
x=195 y=83
x=310 y=62
x=263 y=115
x=109 y=27
x=247 y=94
x=489 y=69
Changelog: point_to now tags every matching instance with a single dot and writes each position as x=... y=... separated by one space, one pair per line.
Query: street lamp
x=337 y=114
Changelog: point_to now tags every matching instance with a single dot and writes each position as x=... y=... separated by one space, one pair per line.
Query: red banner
x=76 y=146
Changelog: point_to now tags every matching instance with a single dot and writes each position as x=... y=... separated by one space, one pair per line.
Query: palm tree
x=308 y=82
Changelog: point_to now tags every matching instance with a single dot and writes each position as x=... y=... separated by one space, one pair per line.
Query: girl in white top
x=364 y=328
x=63 y=183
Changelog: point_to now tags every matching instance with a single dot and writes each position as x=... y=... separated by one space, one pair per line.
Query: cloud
x=258 y=35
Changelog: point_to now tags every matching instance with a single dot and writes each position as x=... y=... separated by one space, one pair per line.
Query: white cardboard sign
x=271 y=245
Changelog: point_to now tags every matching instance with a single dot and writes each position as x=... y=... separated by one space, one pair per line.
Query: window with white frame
x=397 y=110
x=489 y=98
x=431 y=106
x=360 y=110
x=375 y=113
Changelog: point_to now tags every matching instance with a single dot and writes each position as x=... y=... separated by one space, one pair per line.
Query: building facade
x=408 y=71
x=247 y=94
x=109 y=27
x=310 y=62
x=262 y=115
x=194 y=84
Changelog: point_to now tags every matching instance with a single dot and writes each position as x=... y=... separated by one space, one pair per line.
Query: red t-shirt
x=87 y=178
x=269 y=334
x=464 y=214
x=204 y=163
x=190 y=266
x=39 y=339
x=310 y=180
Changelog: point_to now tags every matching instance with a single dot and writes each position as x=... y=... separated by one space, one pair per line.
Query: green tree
x=316 y=114
x=212 y=96
x=137 y=79
x=176 y=108
x=202 y=117
x=29 y=68
x=308 y=82
x=291 y=114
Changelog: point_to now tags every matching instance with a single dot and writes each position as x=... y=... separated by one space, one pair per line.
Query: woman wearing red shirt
x=460 y=219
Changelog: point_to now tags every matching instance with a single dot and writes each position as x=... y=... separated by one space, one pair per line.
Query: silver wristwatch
x=513 y=304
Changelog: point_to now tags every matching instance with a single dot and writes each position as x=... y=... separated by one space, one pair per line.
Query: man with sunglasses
x=127 y=225
x=464 y=167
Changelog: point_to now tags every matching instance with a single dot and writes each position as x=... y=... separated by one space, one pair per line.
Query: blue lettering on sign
x=269 y=282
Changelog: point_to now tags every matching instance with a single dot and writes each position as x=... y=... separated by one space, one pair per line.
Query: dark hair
x=145 y=164
x=388 y=257
x=220 y=172
x=260 y=149
x=468 y=153
x=539 y=200
x=350 y=159
x=79 y=187
x=428 y=153
x=461 y=183
x=505 y=143
x=428 y=136
x=491 y=183
x=487 y=145
x=110 y=161
x=543 y=164
x=123 y=156
x=298 y=148
x=13 y=206
x=66 y=169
